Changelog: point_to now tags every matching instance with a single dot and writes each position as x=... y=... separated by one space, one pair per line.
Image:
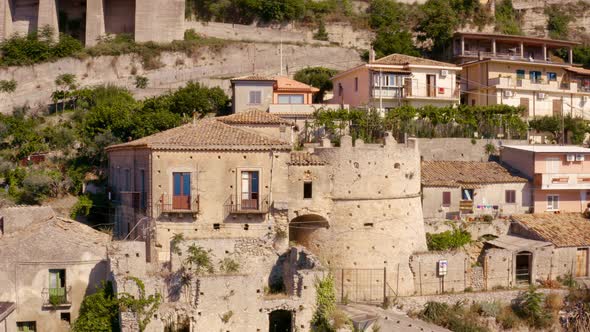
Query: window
x=255 y=97
x=307 y=190
x=551 y=76
x=250 y=190
x=57 y=286
x=181 y=191
x=26 y=326
x=552 y=202
x=340 y=89
x=535 y=76
x=291 y=99
x=520 y=74
x=1 y=225
x=467 y=194
x=446 y=197
x=510 y=196
x=356 y=84
x=65 y=316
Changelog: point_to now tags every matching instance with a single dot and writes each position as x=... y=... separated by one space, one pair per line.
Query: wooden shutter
x=446 y=196
x=510 y=196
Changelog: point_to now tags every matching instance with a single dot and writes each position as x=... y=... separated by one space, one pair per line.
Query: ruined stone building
x=47 y=266
x=88 y=20
x=235 y=186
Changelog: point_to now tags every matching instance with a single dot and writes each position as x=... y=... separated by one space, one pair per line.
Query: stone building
x=452 y=189
x=47 y=266
x=212 y=179
x=88 y=20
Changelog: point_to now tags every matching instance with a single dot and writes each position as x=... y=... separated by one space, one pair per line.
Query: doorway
x=280 y=321
x=181 y=199
x=523 y=267
x=582 y=263
x=431 y=85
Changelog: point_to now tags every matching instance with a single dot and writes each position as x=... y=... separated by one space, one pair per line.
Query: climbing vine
x=144 y=307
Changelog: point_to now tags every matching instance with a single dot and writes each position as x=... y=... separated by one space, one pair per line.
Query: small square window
x=255 y=97
x=26 y=326
x=307 y=190
x=65 y=316
x=510 y=196
x=446 y=196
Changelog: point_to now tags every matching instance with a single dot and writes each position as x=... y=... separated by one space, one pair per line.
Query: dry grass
x=554 y=302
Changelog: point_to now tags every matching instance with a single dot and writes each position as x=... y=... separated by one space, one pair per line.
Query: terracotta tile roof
x=305 y=159
x=461 y=173
x=255 y=77
x=254 y=116
x=402 y=60
x=206 y=134
x=578 y=70
x=287 y=84
x=561 y=229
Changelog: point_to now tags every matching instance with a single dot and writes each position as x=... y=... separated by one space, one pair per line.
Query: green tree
x=507 y=18
x=394 y=40
x=99 y=311
x=437 y=24
x=194 y=98
x=558 y=20
x=325 y=304
x=319 y=77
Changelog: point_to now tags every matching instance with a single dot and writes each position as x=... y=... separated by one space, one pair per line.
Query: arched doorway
x=280 y=321
x=523 y=267
x=302 y=227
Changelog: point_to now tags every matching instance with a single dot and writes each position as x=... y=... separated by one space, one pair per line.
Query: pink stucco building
x=560 y=175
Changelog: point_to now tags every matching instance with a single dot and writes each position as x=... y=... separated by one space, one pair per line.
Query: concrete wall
x=241 y=95
x=486 y=197
x=569 y=200
x=459 y=148
x=523 y=161
x=209 y=66
x=159 y=20
x=427 y=278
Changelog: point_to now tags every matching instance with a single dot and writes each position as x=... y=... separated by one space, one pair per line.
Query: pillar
x=47 y=16
x=494 y=47
x=462 y=46
x=570 y=55
x=94 y=21
x=5 y=19
x=545 y=52
x=522 y=50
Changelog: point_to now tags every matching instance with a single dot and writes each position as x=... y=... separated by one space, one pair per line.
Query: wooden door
x=431 y=85
x=181 y=198
x=582 y=263
x=524 y=102
x=557 y=107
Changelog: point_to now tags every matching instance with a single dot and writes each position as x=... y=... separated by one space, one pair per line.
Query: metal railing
x=562 y=180
x=166 y=205
x=235 y=205
x=56 y=297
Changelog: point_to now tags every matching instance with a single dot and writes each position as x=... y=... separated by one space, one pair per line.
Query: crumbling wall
x=429 y=280
x=464 y=149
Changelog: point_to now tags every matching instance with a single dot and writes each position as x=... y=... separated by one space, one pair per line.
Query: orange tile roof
x=578 y=70
x=403 y=60
x=254 y=116
x=255 y=77
x=206 y=134
x=299 y=158
x=561 y=229
x=461 y=173
x=287 y=84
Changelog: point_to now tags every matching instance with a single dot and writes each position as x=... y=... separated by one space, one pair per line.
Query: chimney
x=371 y=55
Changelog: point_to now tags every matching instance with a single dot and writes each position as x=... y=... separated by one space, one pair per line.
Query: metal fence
x=362 y=285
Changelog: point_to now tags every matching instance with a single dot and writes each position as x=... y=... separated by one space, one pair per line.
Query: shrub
x=530 y=307
x=82 y=207
x=176 y=239
x=322 y=34
x=554 y=302
x=490 y=309
x=507 y=318
x=199 y=259
x=229 y=265
x=325 y=304
x=141 y=82
x=490 y=148
x=568 y=280
x=448 y=240
x=8 y=86
x=488 y=218
x=98 y=311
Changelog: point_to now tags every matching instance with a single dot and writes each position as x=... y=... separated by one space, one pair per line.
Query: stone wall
x=210 y=66
x=427 y=278
x=477 y=229
x=459 y=148
x=342 y=33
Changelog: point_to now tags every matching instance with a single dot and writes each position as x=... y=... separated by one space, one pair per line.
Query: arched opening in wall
x=119 y=17
x=302 y=227
x=524 y=261
x=71 y=17
x=280 y=321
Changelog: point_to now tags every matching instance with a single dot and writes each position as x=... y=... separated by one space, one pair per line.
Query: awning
x=517 y=243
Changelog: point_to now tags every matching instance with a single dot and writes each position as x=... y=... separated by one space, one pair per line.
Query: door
x=552 y=165
x=523 y=267
x=582 y=263
x=181 y=198
x=524 y=103
x=57 y=284
x=250 y=190
x=431 y=85
x=557 y=107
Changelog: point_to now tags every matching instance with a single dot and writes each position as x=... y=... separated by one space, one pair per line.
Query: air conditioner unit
x=541 y=95
x=571 y=157
x=579 y=157
x=444 y=73
x=508 y=93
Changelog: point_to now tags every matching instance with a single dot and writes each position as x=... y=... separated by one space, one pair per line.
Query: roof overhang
x=517 y=243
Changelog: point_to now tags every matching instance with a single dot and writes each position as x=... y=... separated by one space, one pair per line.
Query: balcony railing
x=403 y=92
x=562 y=181
x=57 y=297
x=235 y=205
x=178 y=204
x=538 y=85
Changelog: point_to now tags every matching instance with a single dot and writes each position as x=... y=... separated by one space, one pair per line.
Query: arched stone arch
x=302 y=228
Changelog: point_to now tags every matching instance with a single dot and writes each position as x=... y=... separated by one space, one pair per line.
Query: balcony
x=234 y=205
x=533 y=85
x=178 y=204
x=415 y=92
x=562 y=181
x=57 y=297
